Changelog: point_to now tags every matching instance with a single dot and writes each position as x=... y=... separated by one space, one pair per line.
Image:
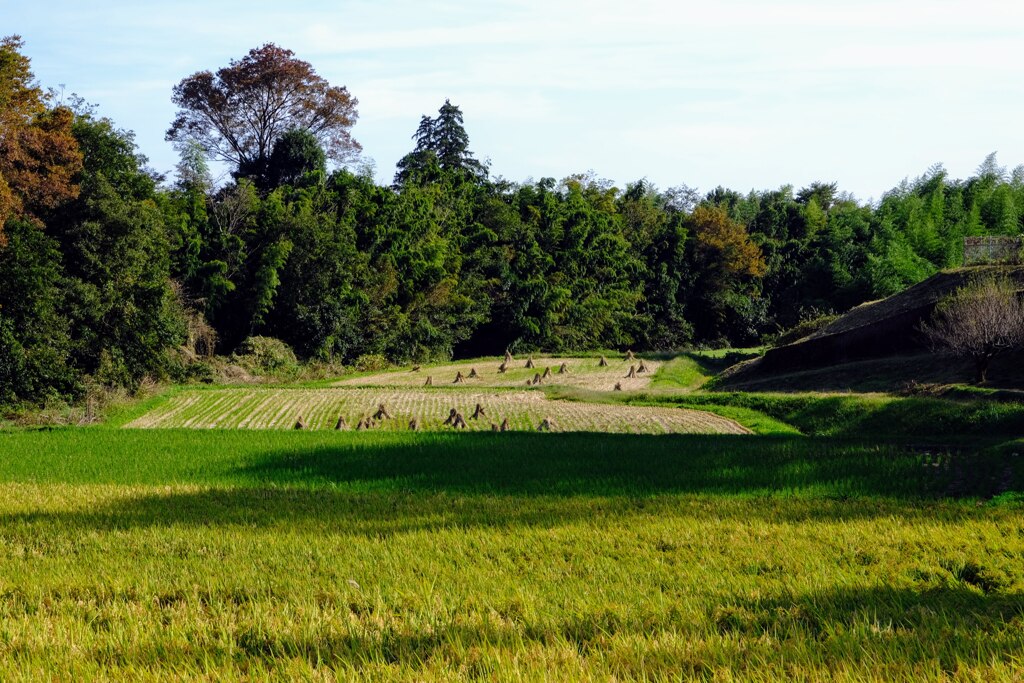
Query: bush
x=266 y=355
x=804 y=328
x=371 y=362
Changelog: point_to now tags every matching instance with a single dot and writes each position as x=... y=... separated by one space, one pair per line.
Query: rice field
x=319 y=409
x=162 y=555
x=211 y=541
x=583 y=373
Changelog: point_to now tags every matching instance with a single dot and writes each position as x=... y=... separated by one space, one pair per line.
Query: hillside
x=876 y=346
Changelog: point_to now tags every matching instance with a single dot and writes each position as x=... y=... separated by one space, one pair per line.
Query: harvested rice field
x=584 y=373
x=270 y=408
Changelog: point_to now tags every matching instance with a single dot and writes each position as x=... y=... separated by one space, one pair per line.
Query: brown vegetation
x=979 y=321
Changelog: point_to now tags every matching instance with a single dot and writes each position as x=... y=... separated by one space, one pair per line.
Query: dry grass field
x=584 y=373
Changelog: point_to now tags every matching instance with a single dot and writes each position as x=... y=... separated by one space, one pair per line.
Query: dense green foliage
x=447 y=261
x=439 y=557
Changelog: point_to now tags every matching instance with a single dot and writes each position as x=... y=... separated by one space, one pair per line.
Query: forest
x=111 y=273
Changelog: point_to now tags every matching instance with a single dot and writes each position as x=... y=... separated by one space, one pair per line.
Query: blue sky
x=741 y=93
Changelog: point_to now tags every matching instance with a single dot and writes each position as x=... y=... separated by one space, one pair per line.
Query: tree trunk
x=981 y=369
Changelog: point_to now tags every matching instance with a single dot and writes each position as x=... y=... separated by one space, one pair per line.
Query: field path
x=266 y=408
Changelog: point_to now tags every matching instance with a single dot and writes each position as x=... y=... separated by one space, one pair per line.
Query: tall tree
x=442 y=145
x=122 y=313
x=725 y=265
x=239 y=113
x=38 y=153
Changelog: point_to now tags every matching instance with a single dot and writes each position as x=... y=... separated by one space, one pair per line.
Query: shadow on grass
x=438 y=481
x=604 y=464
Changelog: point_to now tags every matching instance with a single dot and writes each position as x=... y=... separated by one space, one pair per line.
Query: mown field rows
x=585 y=373
x=264 y=408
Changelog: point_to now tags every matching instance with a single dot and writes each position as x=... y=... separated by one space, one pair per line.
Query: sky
x=747 y=94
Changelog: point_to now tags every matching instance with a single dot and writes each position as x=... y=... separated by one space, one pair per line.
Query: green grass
x=392 y=556
x=685 y=372
x=688 y=371
x=858 y=415
x=531 y=463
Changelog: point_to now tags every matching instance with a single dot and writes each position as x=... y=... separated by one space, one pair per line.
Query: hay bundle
x=529 y=363
x=459 y=379
x=603 y=363
x=494 y=427
x=472 y=373
x=618 y=386
x=429 y=382
x=547 y=373
x=365 y=423
x=382 y=413
x=415 y=368
x=478 y=413
x=546 y=425
x=341 y=425
x=632 y=372
x=508 y=357
x=300 y=423
x=502 y=368
x=629 y=355
x=414 y=425
x=459 y=422
x=504 y=425
x=563 y=369
x=451 y=417
x=642 y=367
x=536 y=379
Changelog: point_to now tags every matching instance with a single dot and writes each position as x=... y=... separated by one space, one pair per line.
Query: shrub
x=371 y=362
x=806 y=327
x=265 y=355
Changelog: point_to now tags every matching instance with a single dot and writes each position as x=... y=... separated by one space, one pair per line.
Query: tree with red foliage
x=239 y=113
x=39 y=157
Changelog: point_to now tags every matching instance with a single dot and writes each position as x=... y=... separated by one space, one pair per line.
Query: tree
x=122 y=314
x=39 y=157
x=34 y=341
x=724 y=265
x=239 y=113
x=979 y=321
x=442 y=145
x=296 y=153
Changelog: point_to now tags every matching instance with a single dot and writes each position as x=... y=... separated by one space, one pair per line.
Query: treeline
x=110 y=274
